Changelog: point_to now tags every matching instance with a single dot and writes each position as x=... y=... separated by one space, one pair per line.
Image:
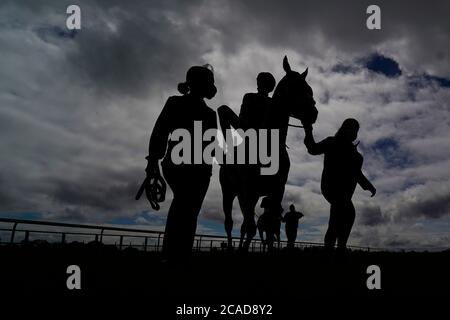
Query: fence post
x=101 y=235
x=13 y=232
x=159 y=239
x=145 y=244
x=63 y=238
x=121 y=242
x=27 y=236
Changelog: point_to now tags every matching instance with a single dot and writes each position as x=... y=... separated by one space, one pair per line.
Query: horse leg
x=228 y=211
x=248 y=210
x=243 y=233
x=270 y=238
x=278 y=239
x=228 y=195
x=278 y=233
x=261 y=236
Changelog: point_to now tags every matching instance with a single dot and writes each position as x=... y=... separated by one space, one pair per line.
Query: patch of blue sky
x=392 y=153
x=22 y=215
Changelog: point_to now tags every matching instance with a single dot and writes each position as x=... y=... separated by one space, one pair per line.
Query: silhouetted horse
x=293 y=97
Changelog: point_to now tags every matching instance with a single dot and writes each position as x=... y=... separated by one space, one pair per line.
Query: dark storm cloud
x=427 y=80
x=131 y=48
x=398 y=242
x=7 y=199
x=124 y=47
x=306 y=25
x=428 y=204
x=371 y=216
x=48 y=33
x=128 y=47
x=95 y=195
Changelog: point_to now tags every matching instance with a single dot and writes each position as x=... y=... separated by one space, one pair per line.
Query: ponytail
x=183 y=88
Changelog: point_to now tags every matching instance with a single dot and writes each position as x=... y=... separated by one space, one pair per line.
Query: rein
x=155 y=190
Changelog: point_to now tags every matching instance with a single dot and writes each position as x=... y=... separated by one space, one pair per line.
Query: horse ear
x=286 y=65
x=305 y=73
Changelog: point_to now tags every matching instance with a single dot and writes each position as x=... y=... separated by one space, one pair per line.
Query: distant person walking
x=341 y=173
x=291 y=225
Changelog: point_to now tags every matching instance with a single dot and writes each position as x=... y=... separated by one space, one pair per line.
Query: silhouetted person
x=291 y=224
x=189 y=182
x=341 y=172
x=270 y=223
x=255 y=105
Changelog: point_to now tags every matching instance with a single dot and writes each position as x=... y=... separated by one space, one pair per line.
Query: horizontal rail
x=74 y=225
x=199 y=243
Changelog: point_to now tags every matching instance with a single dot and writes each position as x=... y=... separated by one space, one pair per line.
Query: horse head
x=295 y=96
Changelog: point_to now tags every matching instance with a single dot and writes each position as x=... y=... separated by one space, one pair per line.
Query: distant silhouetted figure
x=341 y=172
x=189 y=182
x=291 y=224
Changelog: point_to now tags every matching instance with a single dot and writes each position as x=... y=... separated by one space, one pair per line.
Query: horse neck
x=278 y=118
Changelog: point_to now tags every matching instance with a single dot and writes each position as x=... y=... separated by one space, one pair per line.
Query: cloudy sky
x=77 y=108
